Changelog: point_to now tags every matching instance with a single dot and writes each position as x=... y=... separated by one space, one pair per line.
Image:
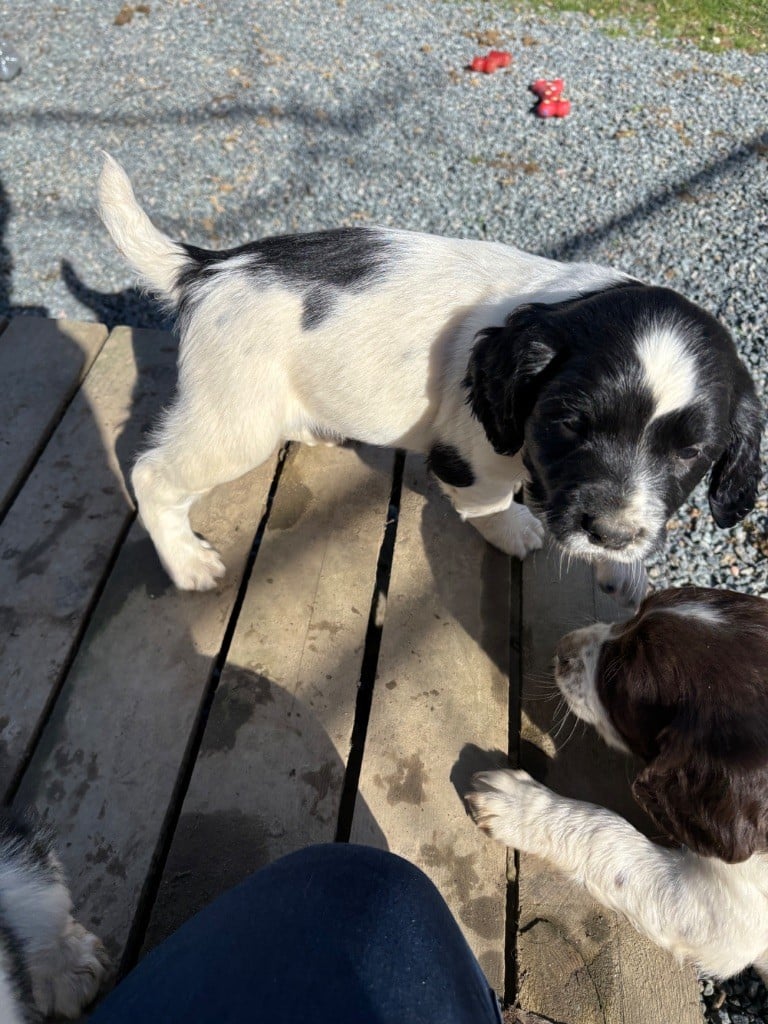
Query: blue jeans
x=335 y=934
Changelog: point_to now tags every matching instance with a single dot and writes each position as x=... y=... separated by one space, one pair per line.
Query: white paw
x=75 y=974
x=529 y=535
x=516 y=531
x=193 y=564
x=502 y=803
x=626 y=583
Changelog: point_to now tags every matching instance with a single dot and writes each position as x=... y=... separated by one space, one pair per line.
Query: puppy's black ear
x=507 y=368
x=713 y=808
x=736 y=475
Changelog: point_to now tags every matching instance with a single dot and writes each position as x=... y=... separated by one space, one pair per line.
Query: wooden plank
x=441 y=693
x=108 y=761
x=269 y=776
x=42 y=362
x=58 y=539
x=576 y=960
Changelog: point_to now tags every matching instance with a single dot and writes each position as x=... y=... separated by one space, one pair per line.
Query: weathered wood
x=577 y=961
x=117 y=731
x=60 y=534
x=109 y=758
x=41 y=365
x=441 y=693
x=269 y=776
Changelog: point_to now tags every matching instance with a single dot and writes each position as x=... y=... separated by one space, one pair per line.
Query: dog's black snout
x=608 y=534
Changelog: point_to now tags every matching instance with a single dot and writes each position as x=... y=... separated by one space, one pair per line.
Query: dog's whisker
x=574 y=729
x=548 y=686
x=560 y=725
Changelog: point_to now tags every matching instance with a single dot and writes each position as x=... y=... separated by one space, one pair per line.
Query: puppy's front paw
x=516 y=531
x=71 y=979
x=526 y=533
x=503 y=804
x=193 y=564
x=626 y=583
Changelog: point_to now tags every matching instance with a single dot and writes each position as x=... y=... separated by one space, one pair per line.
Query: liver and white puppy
x=49 y=964
x=684 y=686
x=608 y=399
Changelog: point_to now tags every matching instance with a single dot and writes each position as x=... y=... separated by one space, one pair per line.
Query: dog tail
x=156 y=257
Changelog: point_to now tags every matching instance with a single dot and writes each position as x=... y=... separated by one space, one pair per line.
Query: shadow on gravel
x=131 y=306
x=751 y=149
x=135 y=308
x=358 y=119
x=7 y=308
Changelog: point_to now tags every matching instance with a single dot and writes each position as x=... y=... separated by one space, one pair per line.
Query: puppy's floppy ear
x=736 y=475
x=507 y=368
x=714 y=808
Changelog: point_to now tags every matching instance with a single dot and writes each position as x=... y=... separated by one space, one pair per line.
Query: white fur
x=10 y=1008
x=66 y=964
x=154 y=254
x=386 y=368
x=664 y=355
x=705 y=912
x=703 y=612
x=576 y=680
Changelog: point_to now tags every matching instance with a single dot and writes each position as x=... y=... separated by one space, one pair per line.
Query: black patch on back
x=321 y=261
x=344 y=257
x=448 y=465
x=318 y=304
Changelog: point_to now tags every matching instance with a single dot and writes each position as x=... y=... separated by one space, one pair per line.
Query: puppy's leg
x=68 y=975
x=198 y=450
x=488 y=504
x=515 y=531
x=626 y=582
x=676 y=899
x=66 y=964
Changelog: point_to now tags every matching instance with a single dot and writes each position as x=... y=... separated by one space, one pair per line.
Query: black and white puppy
x=49 y=964
x=683 y=686
x=608 y=399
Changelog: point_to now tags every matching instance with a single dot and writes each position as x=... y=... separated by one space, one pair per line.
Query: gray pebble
x=10 y=62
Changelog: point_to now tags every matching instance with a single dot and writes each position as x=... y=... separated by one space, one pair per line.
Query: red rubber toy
x=492 y=61
x=550 y=98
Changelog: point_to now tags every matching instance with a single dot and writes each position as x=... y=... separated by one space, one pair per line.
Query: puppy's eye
x=574 y=426
x=688 y=454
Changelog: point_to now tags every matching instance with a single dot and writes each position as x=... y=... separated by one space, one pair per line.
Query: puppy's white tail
x=155 y=256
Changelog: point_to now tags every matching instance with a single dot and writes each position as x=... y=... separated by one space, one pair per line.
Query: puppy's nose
x=608 y=533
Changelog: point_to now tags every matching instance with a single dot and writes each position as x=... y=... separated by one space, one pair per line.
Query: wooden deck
x=366 y=653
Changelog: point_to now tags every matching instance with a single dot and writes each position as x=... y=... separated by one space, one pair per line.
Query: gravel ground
x=237 y=120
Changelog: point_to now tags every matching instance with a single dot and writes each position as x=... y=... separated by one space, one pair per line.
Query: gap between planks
x=270 y=773
x=148 y=896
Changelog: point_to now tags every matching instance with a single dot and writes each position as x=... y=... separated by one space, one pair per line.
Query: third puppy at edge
x=605 y=399
x=684 y=687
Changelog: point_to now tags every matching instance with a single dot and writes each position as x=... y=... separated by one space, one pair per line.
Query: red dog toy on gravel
x=551 y=102
x=491 y=62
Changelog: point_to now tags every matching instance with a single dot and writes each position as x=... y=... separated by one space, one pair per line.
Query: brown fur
x=690 y=697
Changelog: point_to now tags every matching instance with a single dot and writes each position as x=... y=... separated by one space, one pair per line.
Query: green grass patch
x=711 y=24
